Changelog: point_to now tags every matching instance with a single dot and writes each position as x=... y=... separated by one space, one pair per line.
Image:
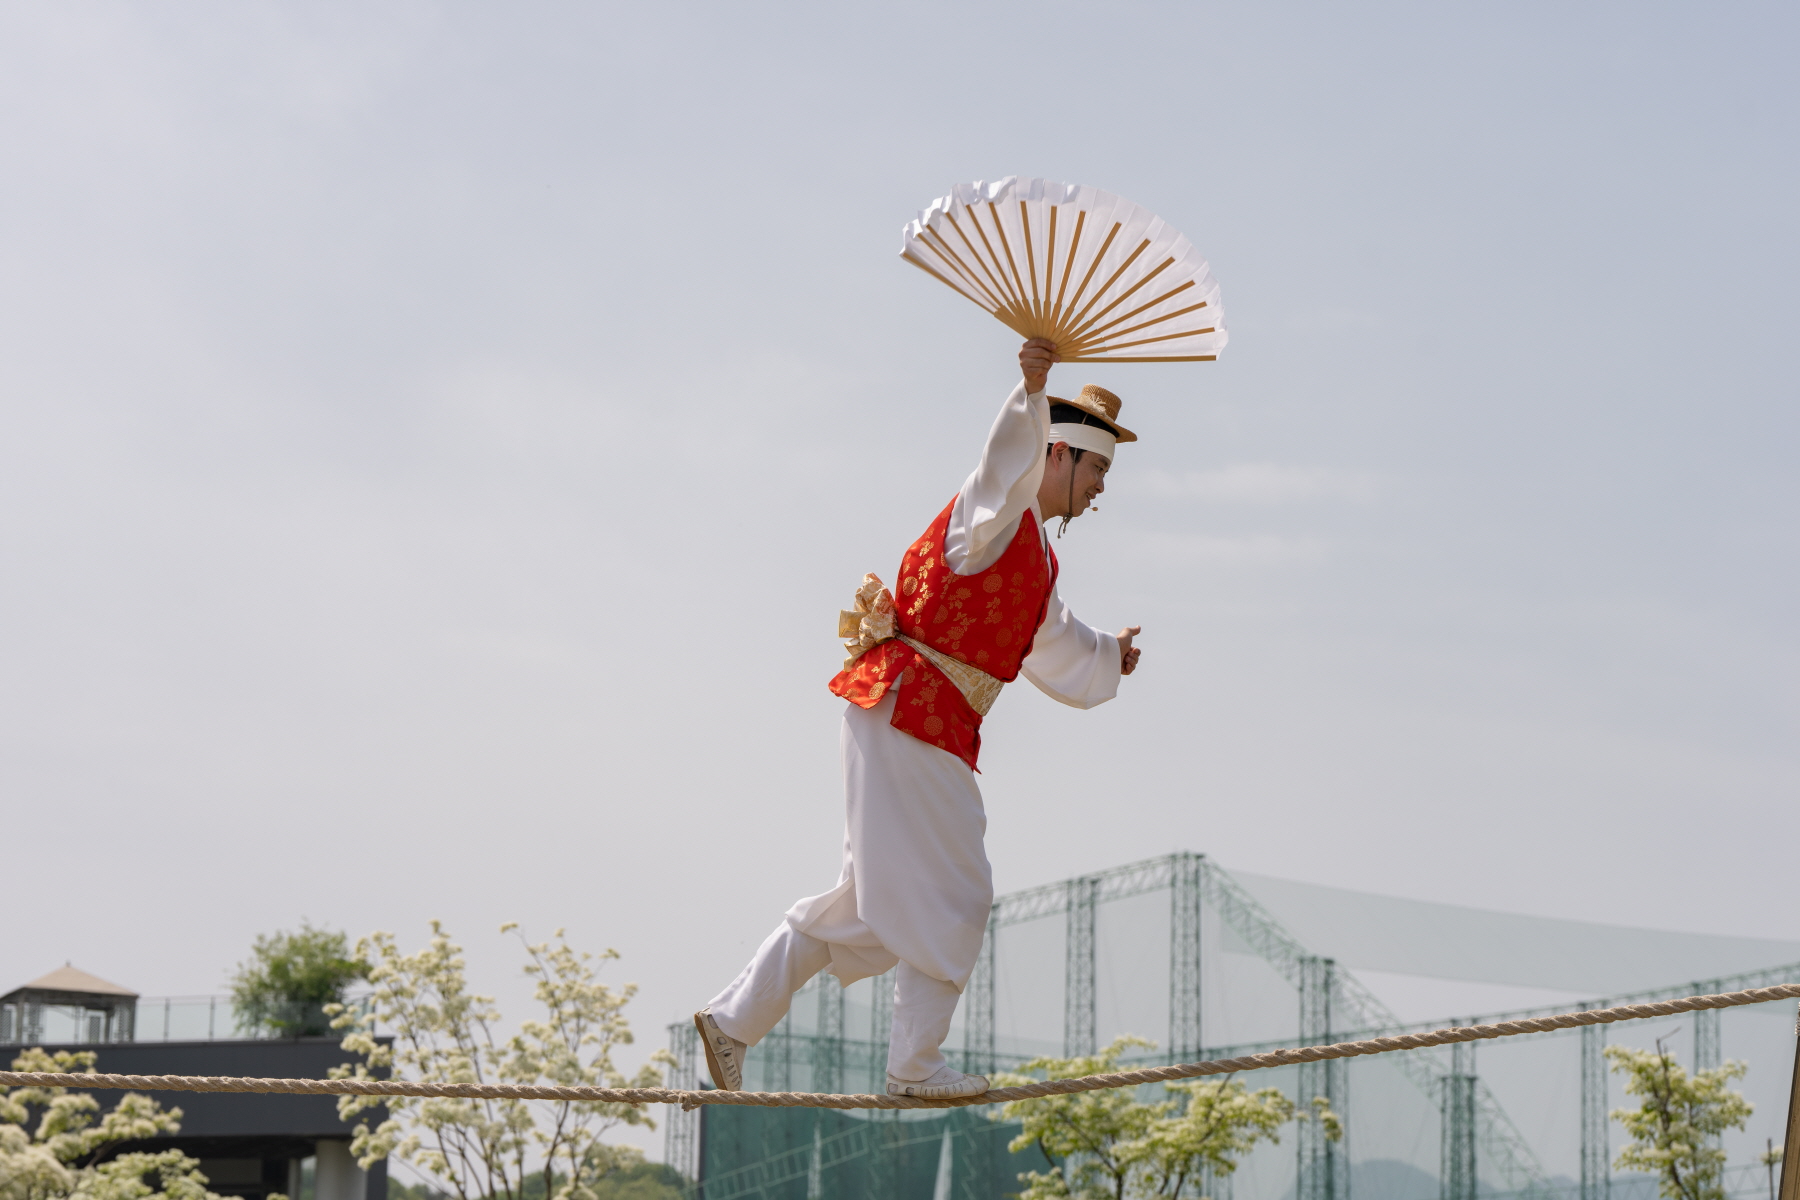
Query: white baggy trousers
x=915 y=890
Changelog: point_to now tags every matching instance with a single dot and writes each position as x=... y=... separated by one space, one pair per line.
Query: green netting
x=805 y=1154
x=1182 y=953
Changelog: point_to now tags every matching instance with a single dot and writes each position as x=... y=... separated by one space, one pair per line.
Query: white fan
x=1105 y=280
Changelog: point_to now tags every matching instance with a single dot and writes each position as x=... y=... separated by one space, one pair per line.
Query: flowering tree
x=443 y=1033
x=1110 y=1144
x=50 y=1141
x=1675 y=1130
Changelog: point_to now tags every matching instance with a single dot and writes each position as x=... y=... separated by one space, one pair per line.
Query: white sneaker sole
x=968 y=1085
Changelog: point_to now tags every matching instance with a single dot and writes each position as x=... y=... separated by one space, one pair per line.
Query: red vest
x=987 y=620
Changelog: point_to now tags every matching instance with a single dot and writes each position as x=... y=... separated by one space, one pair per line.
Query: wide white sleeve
x=1004 y=486
x=1072 y=662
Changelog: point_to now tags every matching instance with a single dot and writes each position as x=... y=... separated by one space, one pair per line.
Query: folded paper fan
x=1105 y=280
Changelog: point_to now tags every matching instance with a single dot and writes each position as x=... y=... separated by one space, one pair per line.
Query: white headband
x=1095 y=438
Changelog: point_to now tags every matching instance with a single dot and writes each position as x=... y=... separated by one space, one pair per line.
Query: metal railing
x=160 y=1019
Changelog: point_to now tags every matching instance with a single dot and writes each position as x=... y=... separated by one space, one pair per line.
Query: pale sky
x=438 y=438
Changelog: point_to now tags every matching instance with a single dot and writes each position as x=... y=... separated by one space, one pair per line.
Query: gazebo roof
x=67 y=978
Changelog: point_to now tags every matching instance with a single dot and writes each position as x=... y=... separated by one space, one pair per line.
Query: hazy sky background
x=438 y=437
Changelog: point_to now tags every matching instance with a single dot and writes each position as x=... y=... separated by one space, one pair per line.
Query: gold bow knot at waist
x=871 y=622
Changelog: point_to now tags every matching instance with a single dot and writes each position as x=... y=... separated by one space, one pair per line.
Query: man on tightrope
x=975 y=606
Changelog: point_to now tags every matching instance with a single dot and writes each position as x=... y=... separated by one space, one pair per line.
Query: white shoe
x=724 y=1053
x=946 y=1083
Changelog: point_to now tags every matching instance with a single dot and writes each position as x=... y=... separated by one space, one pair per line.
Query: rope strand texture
x=1053 y=1087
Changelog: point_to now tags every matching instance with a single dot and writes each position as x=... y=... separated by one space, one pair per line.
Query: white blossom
x=444 y=1033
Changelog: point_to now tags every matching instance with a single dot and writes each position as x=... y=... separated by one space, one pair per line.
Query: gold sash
x=871 y=622
x=978 y=687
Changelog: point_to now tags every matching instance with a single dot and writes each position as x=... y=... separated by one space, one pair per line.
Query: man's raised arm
x=1005 y=481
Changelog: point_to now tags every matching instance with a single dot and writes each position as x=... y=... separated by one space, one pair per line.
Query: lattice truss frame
x=1334 y=1005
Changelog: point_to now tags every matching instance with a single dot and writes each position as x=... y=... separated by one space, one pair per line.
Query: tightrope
x=1053 y=1087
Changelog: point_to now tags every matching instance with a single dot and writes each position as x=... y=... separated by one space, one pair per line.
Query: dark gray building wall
x=237 y=1127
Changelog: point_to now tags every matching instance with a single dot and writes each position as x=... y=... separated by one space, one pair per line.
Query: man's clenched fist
x=1035 y=359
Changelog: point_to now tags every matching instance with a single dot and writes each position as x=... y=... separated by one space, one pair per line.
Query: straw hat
x=1097 y=401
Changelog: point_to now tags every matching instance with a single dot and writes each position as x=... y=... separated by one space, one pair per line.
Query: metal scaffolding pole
x=1185 y=1028
x=1708 y=1053
x=1078 y=985
x=1456 y=1178
x=777 y=1052
x=681 y=1148
x=828 y=1048
x=1323 y=1168
x=1596 y=1155
x=978 y=1018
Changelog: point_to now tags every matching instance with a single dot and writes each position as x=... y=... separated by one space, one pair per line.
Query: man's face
x=1089 y=476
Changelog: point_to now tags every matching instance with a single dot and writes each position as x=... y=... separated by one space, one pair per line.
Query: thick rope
x=1053 y=1087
